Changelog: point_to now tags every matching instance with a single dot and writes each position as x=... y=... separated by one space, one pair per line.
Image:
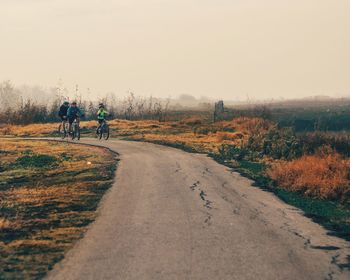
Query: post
x=219 y=110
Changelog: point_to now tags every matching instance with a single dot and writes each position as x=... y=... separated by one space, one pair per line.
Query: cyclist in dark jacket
x=73 y=114
x=63 y=110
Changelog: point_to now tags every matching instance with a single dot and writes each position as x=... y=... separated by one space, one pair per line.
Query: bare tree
x=150 y=107
x=129 y=106
x=8 y=95
x=166 y=109
x=158 y=110
x=140 y=107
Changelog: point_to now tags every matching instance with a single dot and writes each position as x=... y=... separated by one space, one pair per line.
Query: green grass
x=333 y=215
x=36 y=161
x=49 y=195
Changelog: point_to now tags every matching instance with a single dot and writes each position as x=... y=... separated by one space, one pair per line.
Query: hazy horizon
x=229 y=49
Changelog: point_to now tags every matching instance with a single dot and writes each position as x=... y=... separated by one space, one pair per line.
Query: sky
x=231 y=49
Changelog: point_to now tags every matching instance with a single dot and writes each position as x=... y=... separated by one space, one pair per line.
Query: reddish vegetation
x=324 y=175
x=192 y=121
x=229 y=136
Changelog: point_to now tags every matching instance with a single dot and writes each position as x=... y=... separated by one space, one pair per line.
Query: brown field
x=46 y=206
x=192 y=132
x=257 y=139
x=49 y=192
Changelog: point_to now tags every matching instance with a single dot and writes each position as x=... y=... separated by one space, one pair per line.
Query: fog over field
x=230 y=49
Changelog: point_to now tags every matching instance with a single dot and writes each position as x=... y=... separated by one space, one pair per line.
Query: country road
x=175 y=215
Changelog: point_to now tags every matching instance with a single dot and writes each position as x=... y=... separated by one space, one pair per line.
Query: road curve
x=175 y=215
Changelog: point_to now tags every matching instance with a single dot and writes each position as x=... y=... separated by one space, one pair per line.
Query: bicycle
x=103 y=131
x=75 y=133
x=63 y=129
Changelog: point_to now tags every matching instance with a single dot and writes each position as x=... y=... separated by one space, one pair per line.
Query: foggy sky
x=218 y=48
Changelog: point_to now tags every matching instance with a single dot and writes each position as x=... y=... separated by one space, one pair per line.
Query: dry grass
x=45 y=208
x=324 y=175
x=206 y=138
x=183 y=130
x=192 y=121
x=230 y=137
x=195 y=134
x=28 y=130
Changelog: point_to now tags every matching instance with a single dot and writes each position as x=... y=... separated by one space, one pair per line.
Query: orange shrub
x=324 y=175
x=229 y=136
x=251 y=125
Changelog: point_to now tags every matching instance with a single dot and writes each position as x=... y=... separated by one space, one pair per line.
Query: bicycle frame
x=75 y=129
x=63 y=129
x=103 y=130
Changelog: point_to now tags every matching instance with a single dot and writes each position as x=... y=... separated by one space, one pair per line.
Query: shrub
x=338 y=141
x=205 y=130
x=252 y=125
x=232 y=152
x=36 y=161
x=281 y=144
x=229 y=136
x=323 y=175
x=192 y=121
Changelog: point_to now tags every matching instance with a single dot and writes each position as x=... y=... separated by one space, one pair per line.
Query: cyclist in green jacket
x=102 y=113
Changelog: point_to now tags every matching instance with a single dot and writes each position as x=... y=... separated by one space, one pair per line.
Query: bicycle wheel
x=72 y=131
x=62 y=131
x=72 y=135
x=106 y=132
x=66 y=128
x=97 y=133
x=100 y=132
x=77 y=131
x=59 y=131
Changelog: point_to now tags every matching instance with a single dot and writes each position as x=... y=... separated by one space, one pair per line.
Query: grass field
x=289 y=156
x=302 y=115
x=49 y=192
x=307 y=169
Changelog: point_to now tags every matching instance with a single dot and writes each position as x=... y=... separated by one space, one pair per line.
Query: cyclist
x=102 y=113
x=63 y=111
x=73 y=114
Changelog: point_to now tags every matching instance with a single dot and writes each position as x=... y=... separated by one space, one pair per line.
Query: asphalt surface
x=175 y=215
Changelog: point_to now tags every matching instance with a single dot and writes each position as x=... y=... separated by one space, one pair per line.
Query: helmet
x=66 y=103
x=74 y=103
x=101 y=105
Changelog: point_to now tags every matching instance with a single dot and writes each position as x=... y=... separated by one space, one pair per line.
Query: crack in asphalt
x=195 y=186
x=257 y=213
x=308 y=245
x=208 y=219
x=326 y=248
x=237 y=211
x=206 y=171
x=345 y=265
x=207 y=203
x=178 y=167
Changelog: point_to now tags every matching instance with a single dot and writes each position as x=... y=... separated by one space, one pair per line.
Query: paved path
x=175 y=215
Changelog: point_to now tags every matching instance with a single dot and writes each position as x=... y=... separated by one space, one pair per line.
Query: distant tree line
x=18 y=108
x=305 y=118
